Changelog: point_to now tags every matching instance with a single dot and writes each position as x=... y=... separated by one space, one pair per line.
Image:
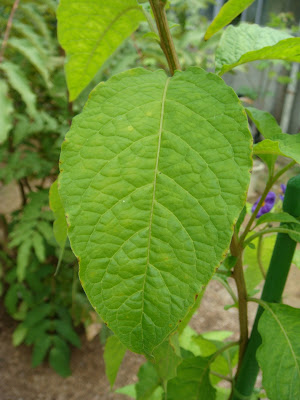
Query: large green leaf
x=228 y=12
x=246 y=43
x=279 y=354
x=19 y=82
x=60 y=227
x=113 y=356
x=192 y=381
x=154 y=173
x=90 y=31
x=6 y=108
x=277 y=142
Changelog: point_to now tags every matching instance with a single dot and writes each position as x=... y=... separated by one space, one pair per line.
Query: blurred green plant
x=34 y=118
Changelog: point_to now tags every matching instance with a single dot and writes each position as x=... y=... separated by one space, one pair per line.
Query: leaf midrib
x=154 y=191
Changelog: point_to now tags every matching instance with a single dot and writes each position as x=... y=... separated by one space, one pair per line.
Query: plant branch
x=227 y=287
x=270 y=183
x=265 y=231
x=221 y=350
x=8 y=29
x=258 y=207
x=258 y=255
x=225 y=378
x=238 y=275
x=166 y=41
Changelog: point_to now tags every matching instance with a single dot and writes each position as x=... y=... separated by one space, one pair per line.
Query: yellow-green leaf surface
x=228 y=12
x=276 y=142
x=279 y=354
x=246 y=43
x=60 y=227
x=6 y=109
x=154 y=173
x=90 y=31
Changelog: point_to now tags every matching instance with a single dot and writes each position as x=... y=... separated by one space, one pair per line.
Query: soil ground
x=18 y=381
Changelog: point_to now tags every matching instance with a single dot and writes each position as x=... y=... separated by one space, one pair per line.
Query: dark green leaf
x=279 y=354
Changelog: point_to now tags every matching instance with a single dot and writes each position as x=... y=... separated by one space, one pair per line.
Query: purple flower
x=283 y=189
x=267 y=204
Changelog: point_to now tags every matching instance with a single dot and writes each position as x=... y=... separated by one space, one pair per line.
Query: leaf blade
x=276 y=142
x=108 y=25
x=228 y=12
x=122 y=166
x=247 y=43
x=279 y=354
x=6 y=107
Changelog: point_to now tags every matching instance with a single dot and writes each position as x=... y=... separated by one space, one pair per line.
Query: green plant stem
x=258 y=254
x=225 y=378
x=222 y=349
x=238 y=275
x=270 y=183
x=8 y=29
x=265 y=231
x=227 y=287
x=166 y=41
x=272 y=292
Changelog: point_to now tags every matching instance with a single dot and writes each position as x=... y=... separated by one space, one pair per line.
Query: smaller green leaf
x=128 y=390
x=11 y=298
x=32 y=14
x=114 y=353
x=250 y=42
x=276 y=217
x=276 y=142
x=32 y=55
x=65 y=329
x=23 y=259
x=222 y=393
x=294 y=231
x=148 y=382
x=167 y=358
x=19 y=334
x=228 y=12
x=268 y=152
x=192 y=381
x=279 y=354
x=186 y=341
x=38 y=245
x=19 y=82
x=33 y=38
x=60 y=227
x=59 y=357
x=40 y=349
x=6 y=108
